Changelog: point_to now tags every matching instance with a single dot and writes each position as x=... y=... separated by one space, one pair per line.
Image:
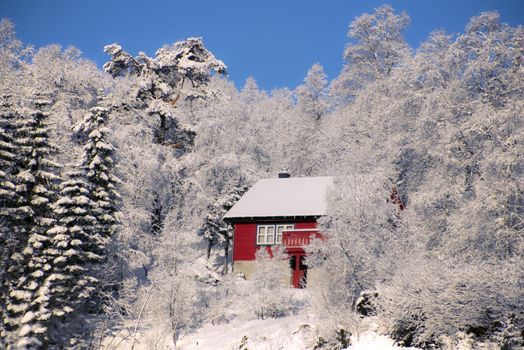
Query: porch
x=295 y=241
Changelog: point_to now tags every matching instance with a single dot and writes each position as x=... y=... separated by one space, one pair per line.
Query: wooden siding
x=245 y=236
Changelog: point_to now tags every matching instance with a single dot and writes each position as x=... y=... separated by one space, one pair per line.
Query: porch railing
x=299 y=238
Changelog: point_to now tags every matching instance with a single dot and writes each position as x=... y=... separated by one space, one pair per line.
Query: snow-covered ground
x=286 y=333
x=294 y=332
x=281 y=333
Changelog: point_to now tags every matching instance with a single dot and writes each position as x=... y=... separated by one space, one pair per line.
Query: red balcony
x=297 y=239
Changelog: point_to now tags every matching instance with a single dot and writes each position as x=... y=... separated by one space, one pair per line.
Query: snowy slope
x=288 y=333
x=294 y=332
x=282 y=333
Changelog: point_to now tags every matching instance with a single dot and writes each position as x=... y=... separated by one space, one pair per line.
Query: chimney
x=284 y=175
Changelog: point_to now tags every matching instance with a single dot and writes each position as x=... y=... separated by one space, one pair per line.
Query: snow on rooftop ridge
x=283 y=197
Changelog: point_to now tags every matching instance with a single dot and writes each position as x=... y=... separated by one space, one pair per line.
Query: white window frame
x=268 y=234
x=285 y=227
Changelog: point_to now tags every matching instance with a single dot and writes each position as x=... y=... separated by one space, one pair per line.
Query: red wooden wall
x=245 y=237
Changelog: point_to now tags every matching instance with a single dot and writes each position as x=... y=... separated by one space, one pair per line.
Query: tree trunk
x=209 y=247
x=226 y=257
x=174 y=337
x=163 y=128
x=156 y=216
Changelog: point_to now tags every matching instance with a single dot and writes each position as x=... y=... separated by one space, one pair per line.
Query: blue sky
x=274 y=41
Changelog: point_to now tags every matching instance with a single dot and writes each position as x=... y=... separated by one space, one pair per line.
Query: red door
x=299 y=269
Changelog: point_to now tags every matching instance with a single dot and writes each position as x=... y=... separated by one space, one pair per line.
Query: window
x=266 y=234
x=280 y=229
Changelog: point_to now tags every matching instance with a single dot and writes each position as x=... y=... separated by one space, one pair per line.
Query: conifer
x=28 y=290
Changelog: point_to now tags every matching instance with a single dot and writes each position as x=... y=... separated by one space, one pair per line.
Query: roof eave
x=270 y=218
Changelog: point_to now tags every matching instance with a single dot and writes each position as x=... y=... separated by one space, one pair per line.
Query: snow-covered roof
x=283 y=197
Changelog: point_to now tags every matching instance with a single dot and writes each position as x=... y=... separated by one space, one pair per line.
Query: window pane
x=270 y=234
x=280 y=228
x=261 y=234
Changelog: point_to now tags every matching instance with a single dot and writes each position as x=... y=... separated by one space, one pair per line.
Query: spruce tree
x=65 y=253
x=7 y=153
x=98 y=160
x=98 y=163
x=8 y=195
x=214 y=229
x=227 y=233
x=75 y=248
x=10 y=200
x=28 y=290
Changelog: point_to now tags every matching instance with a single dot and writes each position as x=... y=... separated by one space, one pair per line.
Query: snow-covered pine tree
x=214 y=229
x=86 y=219
x=98 y=159
x=227 y=234
x=10 y=200
x=76 y=249
x=165 y=75
x=7 y=150
x=8 y=196
x=28 y=291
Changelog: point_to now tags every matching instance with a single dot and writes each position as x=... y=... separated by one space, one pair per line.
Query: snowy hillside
x=286 y=333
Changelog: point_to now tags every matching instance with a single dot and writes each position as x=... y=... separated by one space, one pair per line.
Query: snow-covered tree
x=28 y=291
x=358 y=232
x=72 y=82
x=379 y=47
x=214 y=229
x=11 y=215
x=312 y=96
x=154 y=108
x=427 y=298
x=99 y=160
x=270 y=281
x=77 y=252
x=12 y=52
x=430 y=129
x=174 y=302
x=9 y=198
x=185 y=62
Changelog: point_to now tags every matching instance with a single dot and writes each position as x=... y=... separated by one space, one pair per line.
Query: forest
x=114 y=181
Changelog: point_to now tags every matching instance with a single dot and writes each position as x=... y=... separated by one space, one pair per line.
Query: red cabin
x=282 y=211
